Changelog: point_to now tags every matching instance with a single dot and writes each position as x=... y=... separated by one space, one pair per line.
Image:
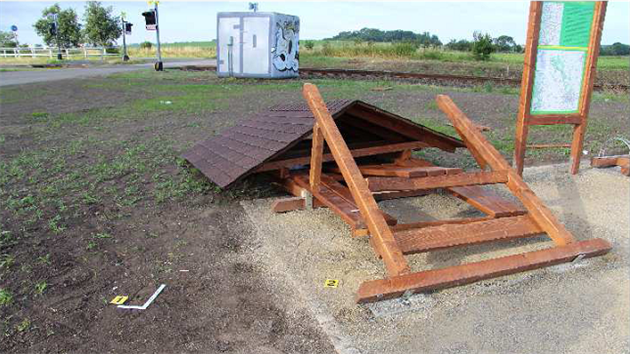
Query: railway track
x=437 y=79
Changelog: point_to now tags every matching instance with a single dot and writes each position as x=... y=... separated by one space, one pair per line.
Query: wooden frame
x=579 y=119
x=356 y=204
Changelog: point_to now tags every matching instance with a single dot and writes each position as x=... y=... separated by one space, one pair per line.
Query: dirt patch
x=571 y=308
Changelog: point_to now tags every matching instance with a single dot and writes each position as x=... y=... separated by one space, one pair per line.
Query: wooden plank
x=348 y=211
x=472 y=137
x=421 y=224
x=548 y=146
x=462 y=179
x=360 y=152
x=553 y=119
x=376 y=290
x=487 y=201
x=588 y=82
x=316 y=157
x=382 y=237
x=288 y=204
x=390 y=170
x=452 y=235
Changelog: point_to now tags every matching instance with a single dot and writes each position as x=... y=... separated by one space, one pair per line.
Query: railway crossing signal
x=152 y=20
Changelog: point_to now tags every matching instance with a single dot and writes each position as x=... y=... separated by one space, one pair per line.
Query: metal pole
x=158 y=66
x=125 y=56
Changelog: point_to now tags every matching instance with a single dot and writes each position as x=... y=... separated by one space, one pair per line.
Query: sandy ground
x=581 y=307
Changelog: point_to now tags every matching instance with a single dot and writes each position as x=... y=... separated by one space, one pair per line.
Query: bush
x=482 y=46
x=112 y=50
x=309 y=45
x=146 y=45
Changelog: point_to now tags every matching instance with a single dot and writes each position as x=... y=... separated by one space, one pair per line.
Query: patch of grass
x=24 y=325
x=40 y=115
x=6 y=261
x=6 y=298
x=44 y=259
x=40 y=287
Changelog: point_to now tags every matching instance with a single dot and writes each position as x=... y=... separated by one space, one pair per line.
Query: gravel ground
x=570 y=308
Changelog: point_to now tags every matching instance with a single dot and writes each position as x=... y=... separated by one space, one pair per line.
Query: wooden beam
x=400 y=125
x=548 y=146
x=541 y=215
x=462 y=179
x=361 y=152
x=390 y=170
x=622 y=161
x=553 y=119
x=453 y=235
x=587 y=84
x=376 y=290
x=382 y=237
x=421 y=224
x=527 y=84
x=316 y=157
x=288 y=204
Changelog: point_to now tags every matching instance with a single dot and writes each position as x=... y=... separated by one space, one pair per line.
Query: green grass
x=6 y=298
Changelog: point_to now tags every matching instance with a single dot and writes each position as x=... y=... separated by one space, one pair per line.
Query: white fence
x=35 y=52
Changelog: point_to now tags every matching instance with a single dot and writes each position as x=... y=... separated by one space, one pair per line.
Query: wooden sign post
x=559 y=71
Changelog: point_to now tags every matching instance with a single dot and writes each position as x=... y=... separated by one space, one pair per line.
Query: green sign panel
x=565 y=33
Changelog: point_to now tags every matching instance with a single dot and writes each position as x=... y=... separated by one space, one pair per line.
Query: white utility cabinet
x=257 y=44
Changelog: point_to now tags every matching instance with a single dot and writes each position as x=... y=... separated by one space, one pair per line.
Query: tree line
x=100 y=27
x=484 y=42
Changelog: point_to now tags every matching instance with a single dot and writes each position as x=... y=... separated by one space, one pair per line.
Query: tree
x=462 y=45
x=504 y=43
x=101 y=27
x=482 y=46
x=8 y=40
x=69 y=30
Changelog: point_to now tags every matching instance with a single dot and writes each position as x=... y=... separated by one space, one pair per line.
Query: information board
x=559 y=71
x=565 y=33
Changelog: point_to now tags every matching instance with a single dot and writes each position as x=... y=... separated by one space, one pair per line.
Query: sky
x=182 y=21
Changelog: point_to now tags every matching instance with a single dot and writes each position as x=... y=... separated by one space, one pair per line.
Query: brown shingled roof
x=236 y=151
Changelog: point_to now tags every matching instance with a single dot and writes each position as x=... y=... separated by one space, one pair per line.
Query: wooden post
x=317 y=153
x=472 y=137
x=527 y=85
x=589 y=81
x=382 y=237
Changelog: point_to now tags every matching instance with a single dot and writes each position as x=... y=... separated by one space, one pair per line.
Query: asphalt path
x=21 y=77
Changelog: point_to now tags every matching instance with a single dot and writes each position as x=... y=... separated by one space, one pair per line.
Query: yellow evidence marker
x=119 y=300
x=331 y=283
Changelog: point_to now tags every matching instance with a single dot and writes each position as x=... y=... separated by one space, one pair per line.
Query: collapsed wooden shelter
x=348 y=154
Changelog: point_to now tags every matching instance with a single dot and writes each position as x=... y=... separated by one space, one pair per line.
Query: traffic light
x=128 y=27
x=149 y=17
x=53 y=29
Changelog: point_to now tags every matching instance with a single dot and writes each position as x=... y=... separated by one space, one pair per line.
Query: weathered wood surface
x=472 y=137
x=487 y=201
x=381 y=236
x=359 y=152
x=461 y=179
x=452 y=235
x=468 y=273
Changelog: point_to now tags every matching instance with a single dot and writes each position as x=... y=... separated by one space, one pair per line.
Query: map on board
x=565 y=31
